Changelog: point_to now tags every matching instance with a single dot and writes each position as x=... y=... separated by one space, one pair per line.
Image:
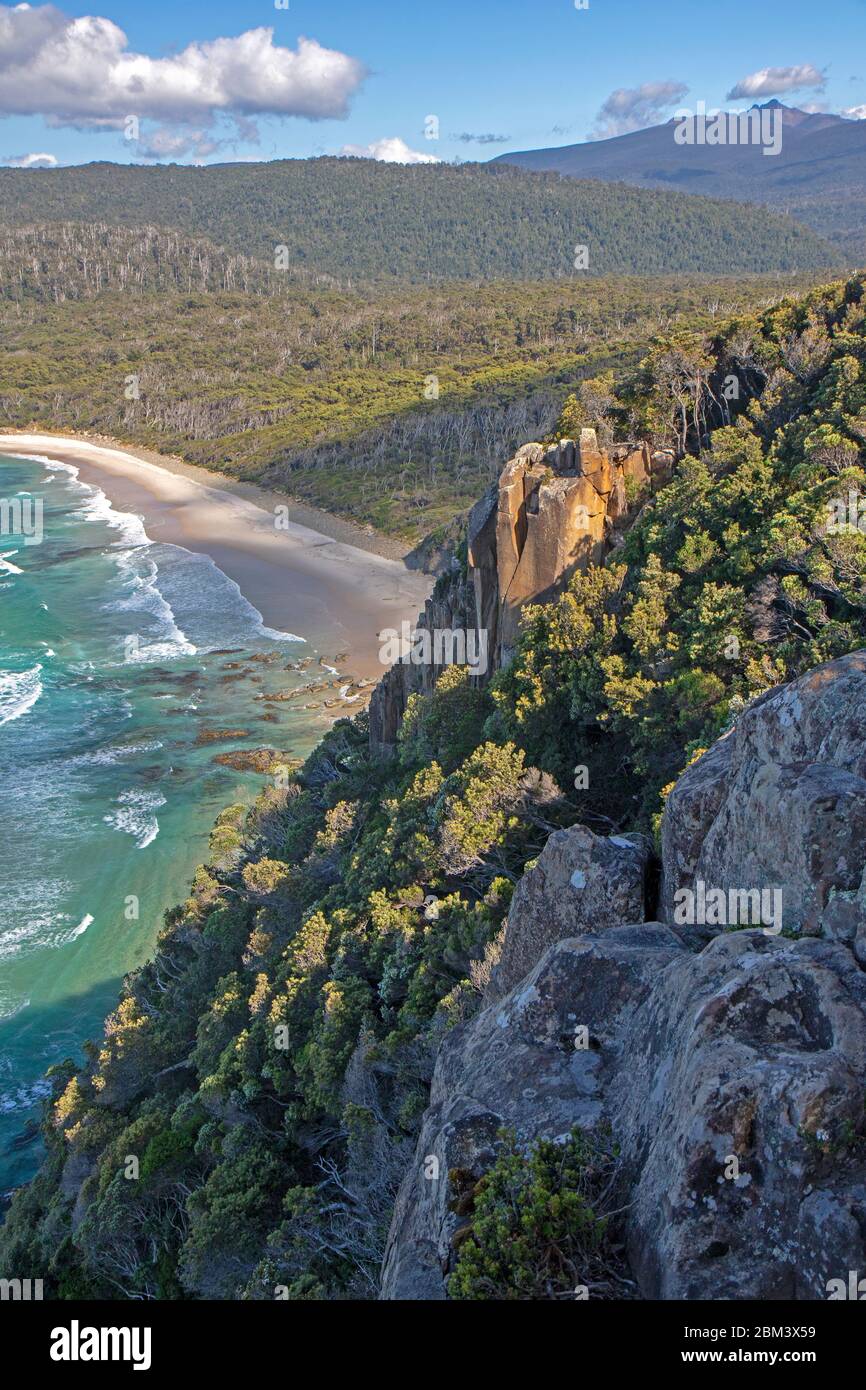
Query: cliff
x=551 y=513
x=726 y=1059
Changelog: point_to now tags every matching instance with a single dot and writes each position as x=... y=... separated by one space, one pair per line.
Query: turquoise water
x=115 y=655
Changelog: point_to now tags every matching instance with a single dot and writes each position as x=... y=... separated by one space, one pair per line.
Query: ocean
x=116 y=655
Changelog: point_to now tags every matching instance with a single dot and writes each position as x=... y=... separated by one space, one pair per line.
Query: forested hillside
x=389 y=404
x=267 y=1071
x=360 y=219
x=818 y=175
x=51 y=262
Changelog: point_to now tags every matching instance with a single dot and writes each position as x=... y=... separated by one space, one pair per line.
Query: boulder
x=580 y=883
x=515 y=1065
x=780 y=804
x=732 y=1081
x=738 y=1098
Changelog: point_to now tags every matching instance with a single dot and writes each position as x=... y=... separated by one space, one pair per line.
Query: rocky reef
x=727 y=1058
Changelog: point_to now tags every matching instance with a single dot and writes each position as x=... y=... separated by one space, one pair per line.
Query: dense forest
x=361 y=219
x=268 y=1069
x=818 y=176
x=392 y=405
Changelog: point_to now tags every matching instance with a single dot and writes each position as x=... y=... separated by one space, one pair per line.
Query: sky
x=208 y=81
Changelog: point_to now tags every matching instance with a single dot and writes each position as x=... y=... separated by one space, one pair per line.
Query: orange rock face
x=555 y=510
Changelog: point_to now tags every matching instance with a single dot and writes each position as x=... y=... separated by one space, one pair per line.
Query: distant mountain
x=372 y=221
x=819 y=177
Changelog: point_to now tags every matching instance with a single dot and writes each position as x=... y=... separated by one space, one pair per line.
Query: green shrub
x=538 y=1227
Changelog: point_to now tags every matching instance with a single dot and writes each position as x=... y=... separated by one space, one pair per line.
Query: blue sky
x=538 y=72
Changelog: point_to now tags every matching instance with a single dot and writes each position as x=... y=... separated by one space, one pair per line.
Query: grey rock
x=780 y=802
x=580 y=883
x=730 y=1070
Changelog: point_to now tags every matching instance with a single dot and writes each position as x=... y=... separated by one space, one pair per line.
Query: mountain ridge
x=831 y=202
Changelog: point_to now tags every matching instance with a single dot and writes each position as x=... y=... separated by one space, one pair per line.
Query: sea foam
x=135 y=816
x=19 y=691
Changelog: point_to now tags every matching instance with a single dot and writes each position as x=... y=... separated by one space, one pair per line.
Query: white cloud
x=634 y=108
x=772 y=82
x=31 y=161
x=855 y=113
x=391 y=150
x=175 y=144
x=81 y=72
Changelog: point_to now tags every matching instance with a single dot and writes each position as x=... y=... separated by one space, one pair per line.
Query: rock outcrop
x=552 y=512
x=780 y=804
x=731 y=1071
x=449 y=609
x=581 y=883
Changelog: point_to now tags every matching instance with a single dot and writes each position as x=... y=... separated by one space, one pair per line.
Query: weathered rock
x=551 y=514
x=547 y=529
x=515 y=1065
x=580 y=883
x=732 y=1081
x=780 y=803
x=731 y=1077
x=662 y=467
x=739 y=1090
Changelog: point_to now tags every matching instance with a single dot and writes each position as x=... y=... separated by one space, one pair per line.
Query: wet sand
x=336 y=594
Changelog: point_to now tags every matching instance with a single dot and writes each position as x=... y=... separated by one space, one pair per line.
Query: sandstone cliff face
x=729 y=1066
x=551 y=513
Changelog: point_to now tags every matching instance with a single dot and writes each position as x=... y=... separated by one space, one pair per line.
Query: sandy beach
x=336 y=594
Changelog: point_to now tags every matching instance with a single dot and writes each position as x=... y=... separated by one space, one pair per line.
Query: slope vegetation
x=269 y=1069
x=819 y=177
x=373 y=221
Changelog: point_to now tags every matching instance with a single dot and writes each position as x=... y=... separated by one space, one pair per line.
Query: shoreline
x=336 y=528
x=336 y=594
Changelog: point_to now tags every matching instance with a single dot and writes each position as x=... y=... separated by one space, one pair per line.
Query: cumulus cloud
x=391 y=150
x=469 y=139
x=773 y=82
x=633 y=108
x=855 y=113
x=81 y=72
x=31 y=161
